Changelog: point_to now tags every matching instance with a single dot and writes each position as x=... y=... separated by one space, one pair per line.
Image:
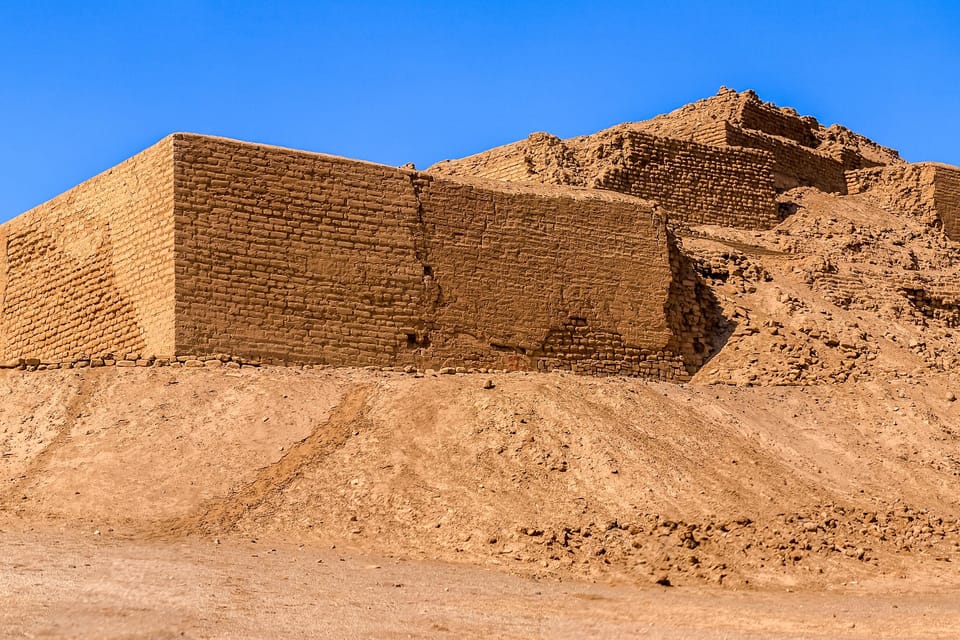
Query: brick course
x=91 y=271
x=204 y=246
x=695 y=183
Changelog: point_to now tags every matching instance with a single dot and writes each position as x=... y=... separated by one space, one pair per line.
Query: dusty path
x=94 y=587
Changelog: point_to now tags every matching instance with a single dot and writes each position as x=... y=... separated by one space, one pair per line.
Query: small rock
x=951 y=396
x=488 y=384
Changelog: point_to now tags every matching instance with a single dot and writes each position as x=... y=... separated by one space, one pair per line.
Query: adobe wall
x=518 y=271
x=947 y=198
x=758 y=116
x=90 y=272
x=695 y=183
x=512 y=163
x=793 y=165
x=292 y=257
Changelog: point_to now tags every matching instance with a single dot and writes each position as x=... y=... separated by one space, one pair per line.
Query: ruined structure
x=697 y=183
x=721 y=161
x=201 y=246
x=927 y=190
x=541 y=254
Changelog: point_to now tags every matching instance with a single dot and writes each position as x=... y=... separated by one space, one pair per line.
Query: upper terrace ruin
x=202 y=247
x=721 y=160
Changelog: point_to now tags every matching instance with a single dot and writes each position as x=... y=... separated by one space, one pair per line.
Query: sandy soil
x=81 y=585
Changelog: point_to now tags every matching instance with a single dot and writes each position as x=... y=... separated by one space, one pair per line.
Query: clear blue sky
x=84 y=85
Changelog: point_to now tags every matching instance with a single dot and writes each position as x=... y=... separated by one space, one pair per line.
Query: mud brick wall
x=714 y=133
x=696 y=183
x=794 y=165
x=291 y=257
x=947 y=199
x=90 y=272
x=770 y=120
x=518 y=272
x=510 y=163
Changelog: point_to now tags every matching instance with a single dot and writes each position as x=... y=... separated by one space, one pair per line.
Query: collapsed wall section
x=907 y=188
x=293 y=257
x=90 y=273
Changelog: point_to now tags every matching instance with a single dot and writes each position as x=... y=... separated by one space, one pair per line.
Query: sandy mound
x=552 y=475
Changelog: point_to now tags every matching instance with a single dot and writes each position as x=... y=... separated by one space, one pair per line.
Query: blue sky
x=84 y=85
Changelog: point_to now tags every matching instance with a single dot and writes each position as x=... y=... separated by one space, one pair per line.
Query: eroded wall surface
x=90 y=273
x=292 y=257
x=908 y=188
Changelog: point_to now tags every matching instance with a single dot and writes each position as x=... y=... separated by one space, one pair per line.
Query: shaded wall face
x=90 y=273
x=759 y=117
x=793 y=165
x=297 y=258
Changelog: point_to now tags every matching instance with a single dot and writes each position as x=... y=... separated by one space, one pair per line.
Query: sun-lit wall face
x=291 y=257
x=90 y=272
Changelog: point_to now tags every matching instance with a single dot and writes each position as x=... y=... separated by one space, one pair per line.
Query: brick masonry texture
x=200 y=247
x=805 y=154
x=718 y=161
x=793 y=165
x=927 y=190
x=695 y=183
x=293 y=257
x=947 y=198
x=91 y=271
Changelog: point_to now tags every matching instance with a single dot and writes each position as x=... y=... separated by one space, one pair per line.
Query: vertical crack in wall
x=431 y=295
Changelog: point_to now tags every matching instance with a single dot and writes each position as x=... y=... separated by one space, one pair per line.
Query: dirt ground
x=769 y=510
x=82 y=585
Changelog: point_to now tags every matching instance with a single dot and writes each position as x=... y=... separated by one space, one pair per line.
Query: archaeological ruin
x=543 y=254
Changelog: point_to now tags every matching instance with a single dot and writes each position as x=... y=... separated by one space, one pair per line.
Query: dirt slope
x=552 y=475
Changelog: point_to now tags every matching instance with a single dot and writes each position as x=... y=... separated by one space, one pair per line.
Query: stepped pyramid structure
x=723 y=160
x=542 y=254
